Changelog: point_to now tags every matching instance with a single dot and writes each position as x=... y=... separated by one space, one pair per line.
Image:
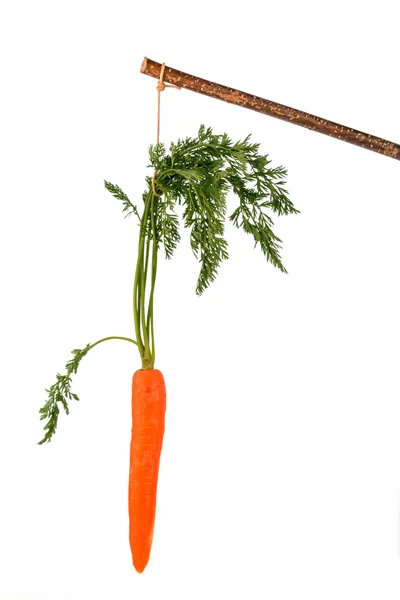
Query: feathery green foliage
x=116 y=191
x=60 y=394
x=199 y=173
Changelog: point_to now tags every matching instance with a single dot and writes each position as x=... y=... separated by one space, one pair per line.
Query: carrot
x=148 y=412
x=196 y=175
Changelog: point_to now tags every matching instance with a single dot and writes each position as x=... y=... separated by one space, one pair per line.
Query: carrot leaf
x=116 y=191
x=60 y=394
x=199 y=173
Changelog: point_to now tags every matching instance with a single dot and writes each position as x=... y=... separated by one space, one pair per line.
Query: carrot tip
x=140 y=567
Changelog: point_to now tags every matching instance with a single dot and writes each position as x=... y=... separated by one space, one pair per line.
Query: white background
x=280 y=474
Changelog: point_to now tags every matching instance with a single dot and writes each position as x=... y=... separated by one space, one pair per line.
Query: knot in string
x=160 y=88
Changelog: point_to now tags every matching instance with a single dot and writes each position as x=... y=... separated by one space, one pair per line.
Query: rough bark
x=273 y=109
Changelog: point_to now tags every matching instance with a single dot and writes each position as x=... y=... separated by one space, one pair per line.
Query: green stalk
x=150 y=313
x=136 y=303
x=143 y=315
x=137 y=285
x=112 y=337
x=147 y=353
x=142 y=293
x=146 y=262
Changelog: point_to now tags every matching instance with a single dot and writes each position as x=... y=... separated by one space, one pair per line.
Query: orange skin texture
x=148 y=421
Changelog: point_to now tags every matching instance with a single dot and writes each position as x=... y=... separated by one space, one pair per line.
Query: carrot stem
x=150 y=311
x=112 y=337
x=138 y=297
x=143 y=306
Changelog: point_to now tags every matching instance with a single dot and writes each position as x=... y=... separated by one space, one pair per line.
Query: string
x=161 y=85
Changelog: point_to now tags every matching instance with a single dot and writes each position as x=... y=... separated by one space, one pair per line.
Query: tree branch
x=273 y=109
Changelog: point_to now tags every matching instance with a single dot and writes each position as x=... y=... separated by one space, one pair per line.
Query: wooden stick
x=273 y=109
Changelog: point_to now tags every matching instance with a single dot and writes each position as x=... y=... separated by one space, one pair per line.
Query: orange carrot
x=197 y=175
x=148 y=414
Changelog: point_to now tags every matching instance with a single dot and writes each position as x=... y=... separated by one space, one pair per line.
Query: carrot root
x=148 y=421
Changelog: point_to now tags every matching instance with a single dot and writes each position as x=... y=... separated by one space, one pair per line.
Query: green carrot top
x=197 y=173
